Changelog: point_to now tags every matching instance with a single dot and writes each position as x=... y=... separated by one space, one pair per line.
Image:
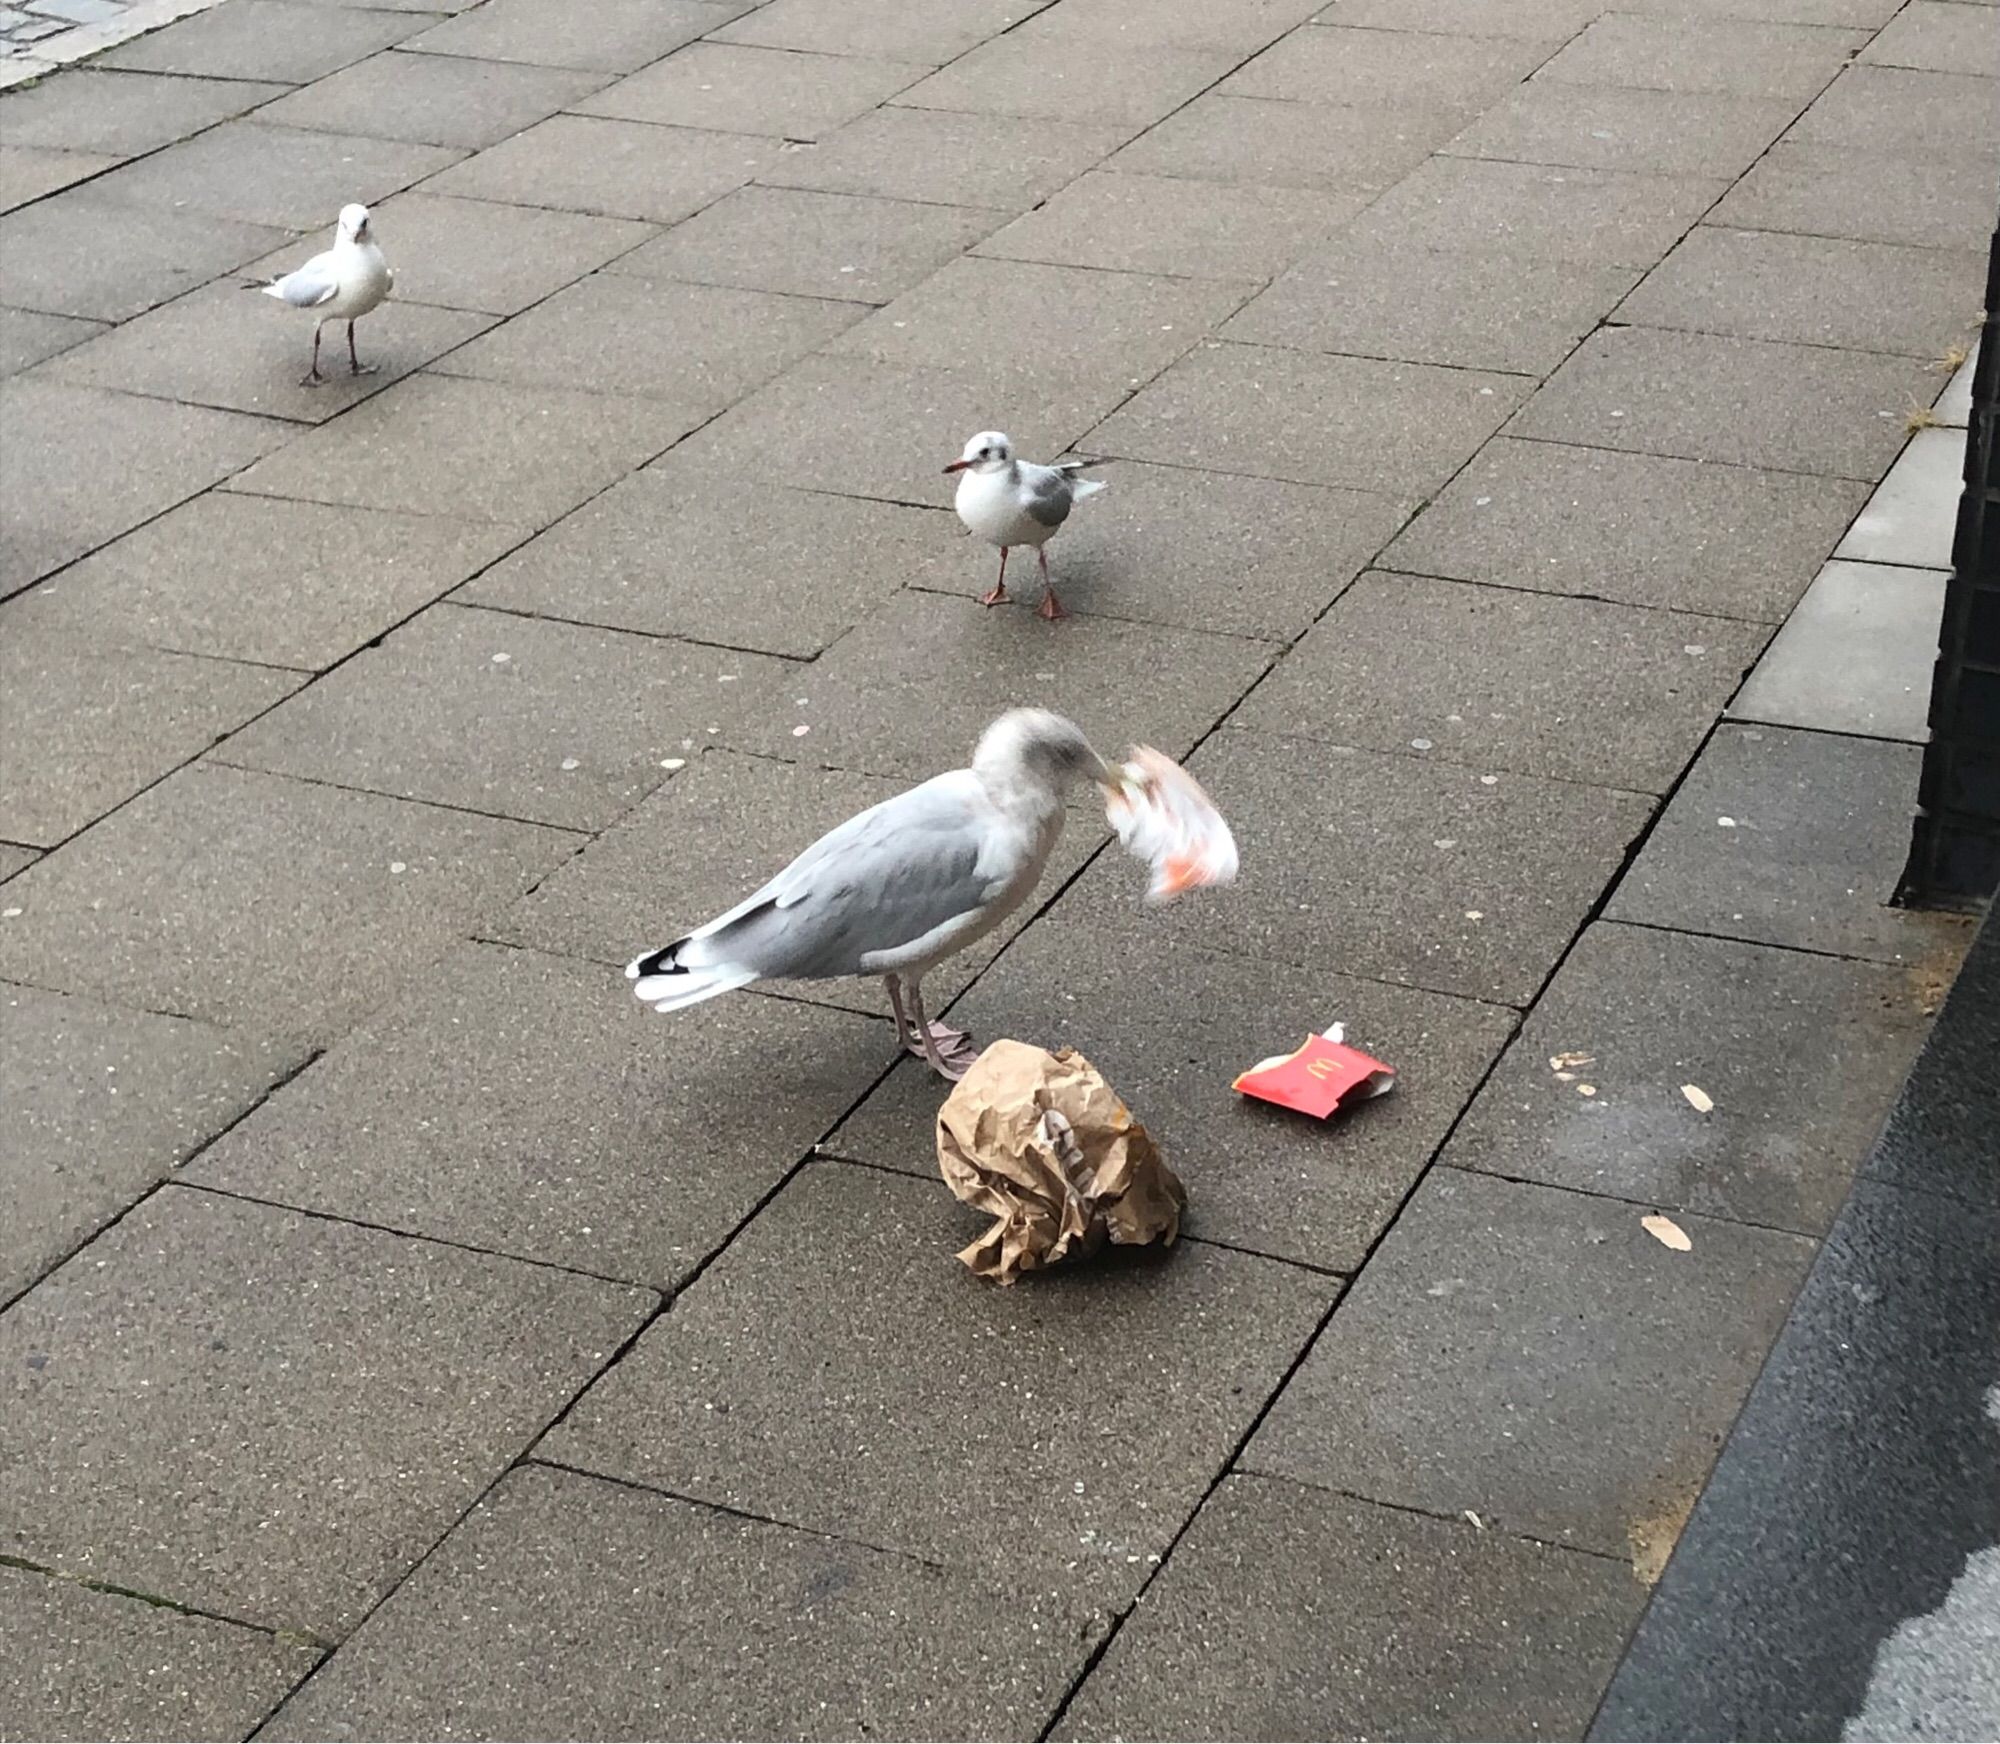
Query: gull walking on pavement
x=899 y=888
x=348 y=281
x=1009 y=502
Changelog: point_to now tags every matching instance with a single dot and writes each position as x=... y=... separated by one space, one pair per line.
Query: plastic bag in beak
x=1163 y=818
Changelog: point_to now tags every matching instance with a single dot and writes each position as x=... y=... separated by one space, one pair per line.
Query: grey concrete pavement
x=1486 y=387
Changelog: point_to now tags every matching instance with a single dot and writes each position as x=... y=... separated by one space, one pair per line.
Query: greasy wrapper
x=1163 y=817
x=1042 y=1143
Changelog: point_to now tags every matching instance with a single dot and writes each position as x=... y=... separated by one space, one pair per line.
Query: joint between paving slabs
x=714 y=1507
x=159 y=1601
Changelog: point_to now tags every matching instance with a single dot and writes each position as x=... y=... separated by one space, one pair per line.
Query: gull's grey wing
x=313 y=284
x=882 y=880
x=1046 y=493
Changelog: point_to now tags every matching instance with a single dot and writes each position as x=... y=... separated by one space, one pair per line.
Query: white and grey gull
x=1007 y=502
x=900 y=887
x=346 y=282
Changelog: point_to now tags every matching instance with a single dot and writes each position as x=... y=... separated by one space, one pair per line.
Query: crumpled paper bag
x=1041 y=1142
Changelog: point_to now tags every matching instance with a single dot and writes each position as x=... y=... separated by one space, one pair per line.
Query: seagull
x=898 y=888
x=348 y=281
x=1010 y=502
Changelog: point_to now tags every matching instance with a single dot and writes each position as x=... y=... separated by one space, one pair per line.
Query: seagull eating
x=907 y=883
x=346 y=282
x=1009 y=502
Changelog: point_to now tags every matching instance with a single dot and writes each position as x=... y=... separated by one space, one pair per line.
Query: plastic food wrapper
x=1163 y=817
x=1324 y=1074
x=1045 y=1145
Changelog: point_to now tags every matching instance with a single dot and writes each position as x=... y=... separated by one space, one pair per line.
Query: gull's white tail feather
x=683 y=987
x=1085 y=487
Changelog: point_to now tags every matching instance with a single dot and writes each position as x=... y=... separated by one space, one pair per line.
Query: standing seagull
x=1010 y=502
x=348 y=281
x=899 y=888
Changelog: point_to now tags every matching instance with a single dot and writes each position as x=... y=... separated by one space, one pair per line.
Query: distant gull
x=899 y=888
x=348 y=281
x=1010 y=502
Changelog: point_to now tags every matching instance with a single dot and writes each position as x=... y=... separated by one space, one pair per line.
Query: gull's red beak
x=958 y=466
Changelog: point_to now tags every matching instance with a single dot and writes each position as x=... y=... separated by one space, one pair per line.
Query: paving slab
x=180 y=582
x=319 y=1402
x=1496 y=678
x=668 y=552
x=265 y=39
x=1026 y=72
x=1491 y=877
x=1937 y=38
x=1853 y=14
x=1913 y=513
x=1524 y=1352
x=1897 y=112
x=604 y=334
x=878 y=27
x=1939 y=201
x=1954 y=405
x=29 y=173
x=1207 y=551
x=1855 y=657
x=1002 y=161
x=84 y=256
x=281 y=176
x=87 y=1664
x=1547 y=20
x=707 y=839
x=616 y=169
x=1117 y=327
x=1633 y=527
x=1742 y=402
x=90 y=722
x=218 y=347
x=1800 y=1054
x=478 y=450
x=1387 y=69
x=1257 y=1177
x=434 y=99
x=480 y=254
x=15 y=858
x=26 y=337
x=854 y=426
x=159 y=905
x=713 y=1624
x=104 y=1104
x=528 y=718
x=1750 y=59
x=1788 y=838
x=1262 y=142
x=1170 y=225
x=1811 y=290
x=1550 y=212
x=1404 y=427
x=808 y=244
x=1259 y=1628
x=80 y=467
x=737 y=89
x=1690 y=133
x=85 y=109
x=1474 y=311
x=1113 y=25
x=609 y=36
x=1132 y=1380
x=873 y=701
x=585 y=1130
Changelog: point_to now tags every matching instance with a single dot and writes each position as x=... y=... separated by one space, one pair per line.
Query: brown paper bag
x=1045 y=1145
